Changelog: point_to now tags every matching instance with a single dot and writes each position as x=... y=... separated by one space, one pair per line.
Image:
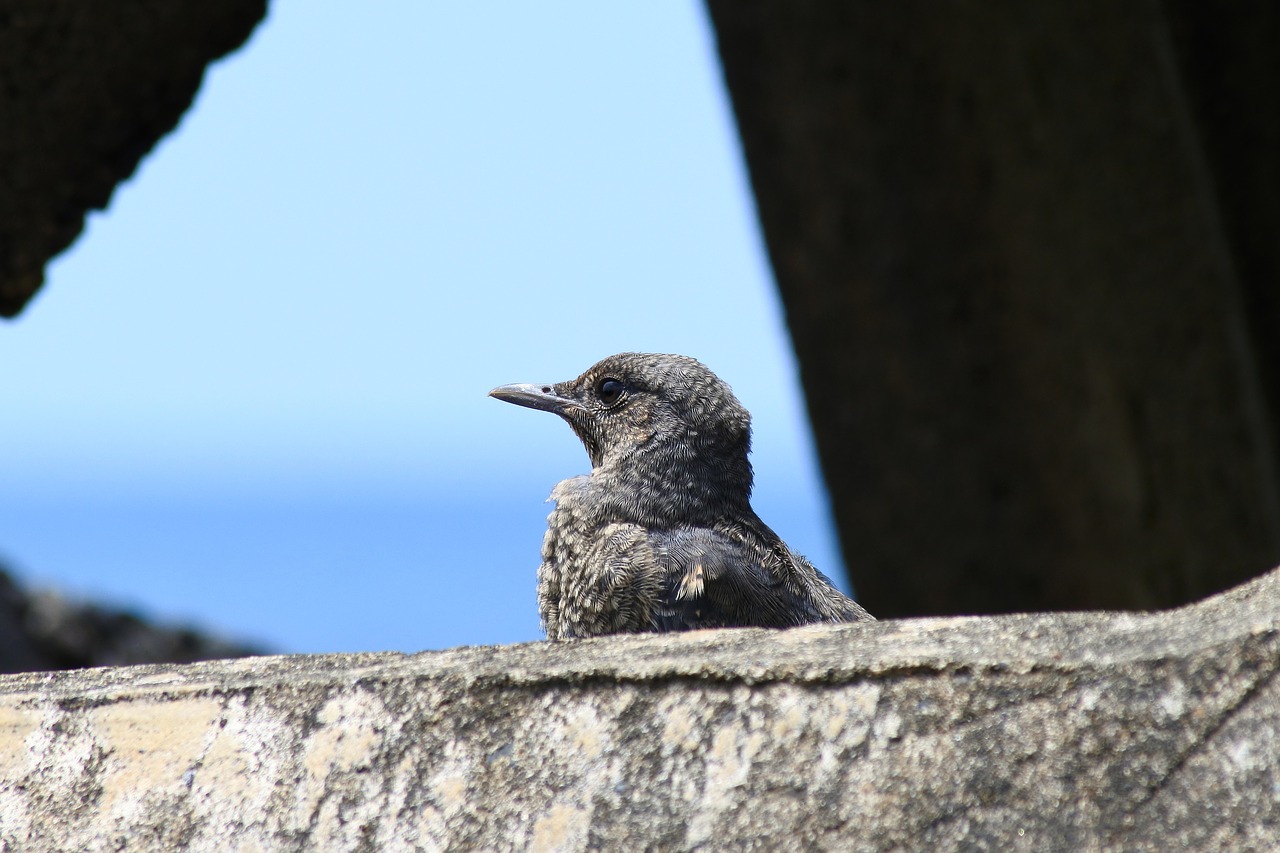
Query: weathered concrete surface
x=85 y=90
x=1049 y=732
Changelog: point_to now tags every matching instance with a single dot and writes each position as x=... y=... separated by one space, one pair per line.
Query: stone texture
x=1027 y=253
x=86 y=89
x=1085 y=731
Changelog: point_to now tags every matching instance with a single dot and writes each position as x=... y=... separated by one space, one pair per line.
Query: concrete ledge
x=1060 y=731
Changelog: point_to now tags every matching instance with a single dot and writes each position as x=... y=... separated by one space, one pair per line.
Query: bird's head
x=665 y=413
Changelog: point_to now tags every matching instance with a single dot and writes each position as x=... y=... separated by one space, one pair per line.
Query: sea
x=337 y=570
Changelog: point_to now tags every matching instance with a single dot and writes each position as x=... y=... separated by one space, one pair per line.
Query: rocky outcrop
x=44 y=630
x=1083 y=731
x=86 y=89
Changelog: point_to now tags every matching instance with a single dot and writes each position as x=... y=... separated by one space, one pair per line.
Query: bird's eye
x=609 y=390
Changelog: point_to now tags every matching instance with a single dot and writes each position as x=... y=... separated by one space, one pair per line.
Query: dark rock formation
x=1083 y=731
x=45 y=631
x=86 y=89
x=1029 y=260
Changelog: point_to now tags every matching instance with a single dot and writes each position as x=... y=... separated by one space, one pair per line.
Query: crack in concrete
x=1267 y=676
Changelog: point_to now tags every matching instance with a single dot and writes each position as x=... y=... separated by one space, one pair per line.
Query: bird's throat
x=671 y=489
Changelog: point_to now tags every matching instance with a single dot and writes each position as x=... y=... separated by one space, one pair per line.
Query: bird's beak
x=541 y=397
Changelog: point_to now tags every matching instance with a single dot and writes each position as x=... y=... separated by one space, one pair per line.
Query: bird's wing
x=714 y=580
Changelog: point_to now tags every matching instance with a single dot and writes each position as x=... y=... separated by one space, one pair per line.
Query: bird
x=661 y=536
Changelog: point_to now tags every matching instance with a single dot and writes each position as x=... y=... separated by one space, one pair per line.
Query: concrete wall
x=1043 y=732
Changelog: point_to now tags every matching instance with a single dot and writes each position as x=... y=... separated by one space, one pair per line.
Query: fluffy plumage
x=661 y=535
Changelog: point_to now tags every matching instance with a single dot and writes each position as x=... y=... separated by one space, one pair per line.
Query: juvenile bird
x=661 y=535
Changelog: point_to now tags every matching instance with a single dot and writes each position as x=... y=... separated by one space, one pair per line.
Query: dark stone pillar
x=1028 y=254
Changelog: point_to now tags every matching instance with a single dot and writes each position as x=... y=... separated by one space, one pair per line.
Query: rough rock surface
x=1085 y=731
x=86 y=89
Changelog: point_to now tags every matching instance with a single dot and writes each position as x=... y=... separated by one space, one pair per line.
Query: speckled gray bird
x=661 y=535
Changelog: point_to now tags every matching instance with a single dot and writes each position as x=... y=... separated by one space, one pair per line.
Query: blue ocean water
x=321 y=572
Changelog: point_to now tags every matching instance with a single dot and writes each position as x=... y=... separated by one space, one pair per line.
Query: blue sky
x=253 y=394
